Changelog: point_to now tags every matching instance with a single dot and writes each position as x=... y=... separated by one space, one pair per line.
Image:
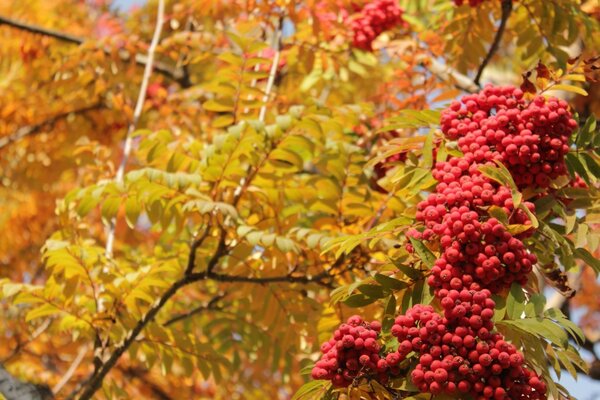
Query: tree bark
x=13 y=389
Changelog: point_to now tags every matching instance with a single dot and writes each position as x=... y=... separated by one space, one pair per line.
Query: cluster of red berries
x=477 y=251
x=375 y=18
x=529 y=137
x=459 y=354
x=459 y=351
x=354 y=353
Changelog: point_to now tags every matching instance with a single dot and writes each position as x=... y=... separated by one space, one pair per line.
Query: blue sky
x=125 y=4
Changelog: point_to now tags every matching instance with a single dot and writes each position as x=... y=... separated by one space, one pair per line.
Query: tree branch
x=72 y=368
x=132 y=372
x=506 y=10
x=176 y=74
x=31 y=130
x=127 y=146
x=273 y=70
x=447 y=73
x=65 y=37
x=211 y=305
x=318 y=279
x=96 y=381
x=195 y=246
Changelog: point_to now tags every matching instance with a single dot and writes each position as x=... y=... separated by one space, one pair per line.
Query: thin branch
x=20 y=346
x=506 y=10
x=447 y=73
x=72 y=368
x=141 y=375
x=31 y=130
x=65 y=37
x=177 y=75
x=195 y=246
x=95 y=381
x=273 y=71
x=289 y=278
x=211 y=305
x=127 y=146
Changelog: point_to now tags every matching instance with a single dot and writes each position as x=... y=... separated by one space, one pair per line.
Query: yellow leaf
x=571 y=88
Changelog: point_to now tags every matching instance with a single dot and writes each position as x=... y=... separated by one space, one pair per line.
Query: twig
x=273 y=71
x=65 y=37
x=67 y=376
x=318 y=279
x=141 y=375
x=34 y=335
x=136 y=116
x=177 y=75
x=447 y=73
x=95 y=381
x=211 y=305
x=195 y=246
x=506 y=10
x=31 y=130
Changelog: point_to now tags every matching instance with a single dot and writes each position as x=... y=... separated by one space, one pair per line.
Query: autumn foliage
x=335 y=199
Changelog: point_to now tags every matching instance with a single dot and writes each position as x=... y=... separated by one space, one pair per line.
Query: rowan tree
x=327 y=199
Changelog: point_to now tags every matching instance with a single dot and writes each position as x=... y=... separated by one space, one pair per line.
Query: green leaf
x=311 y=388
x=42 y=311
x=390 y=283
x=586 y=132
x=390 y=306
x=373 y=291
x=110 y=207
x=515 y=303
x=574 y=164
x=86 y=204
x=220 y=105
x=359 y=300
x=591 y=164
x=589 y=259
x=424 y=253
x=132 y=211
x=414 y=274
x=499 y=214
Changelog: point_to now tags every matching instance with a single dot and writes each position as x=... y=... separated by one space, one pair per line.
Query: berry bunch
x=458 y=354
x=354 y=353
x=459 y=351
x=374 y=18
x=529 y=137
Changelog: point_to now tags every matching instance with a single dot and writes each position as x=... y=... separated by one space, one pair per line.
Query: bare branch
x=195 y=246
x=127 y=146
x=447 y=73
x=31 y=130
x=506 y=10
x=65 y=37
x=177 y=75
x=319 y=279
x=72 y=368
x=211 y=305
x=141 y=375
x=95 y=381
x=273 y=70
